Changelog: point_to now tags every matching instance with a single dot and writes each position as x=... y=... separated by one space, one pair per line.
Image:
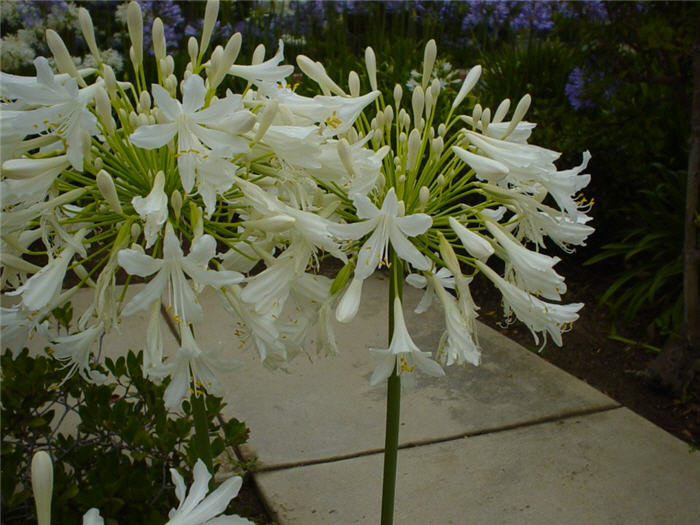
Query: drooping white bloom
x=537 y=315
x=457 y=343
x=403 y=354
x=28 y=180
x=45 y=285
x=190 y=371
x=534 y=272
x=196 y=508
x=474 y=243
x=76 y=350
x=170 y=272
x=153 y=209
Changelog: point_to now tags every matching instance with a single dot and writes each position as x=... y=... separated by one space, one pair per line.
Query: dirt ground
x=612 y=367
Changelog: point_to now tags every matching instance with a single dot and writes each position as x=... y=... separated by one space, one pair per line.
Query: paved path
x=514 y=441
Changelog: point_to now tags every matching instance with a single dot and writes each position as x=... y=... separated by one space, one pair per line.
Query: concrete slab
x=324 y=407
x=611 y=467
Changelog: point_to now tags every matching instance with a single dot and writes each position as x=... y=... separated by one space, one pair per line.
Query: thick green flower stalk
x=452 y=195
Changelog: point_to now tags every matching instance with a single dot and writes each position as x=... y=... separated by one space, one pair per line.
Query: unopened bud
x=134 y=22
x=135 y=231
x=265 y=119
x=423 y=195
x=398 y=93
x=64 y=62
x=371 y=64
x=401 y=209
x=354 y=84
x=192 y=49
x=518 y=114
x=231 y=50
x=109 y=78
x=388 y=115
x=476 y=113
x=469 y=82
x=159 y=44
x=98 y=163
x=418 y=103
x=501 y=111
x=176 y=203
x=105 y=184
x=103 y=108
x=414 y=140
x=442 y=130
x=196 y=220
x=167 y=66
x=42 y=486
x=428 y=61
x=437 y=145
x=485 y=119
x=210 y=14
x=144 y=102
x=345 y=156
x=258 y=54
x=428 y=103
x=88 y=32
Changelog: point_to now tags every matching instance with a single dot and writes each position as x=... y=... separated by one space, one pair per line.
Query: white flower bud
x=431 y=132
x=42 y=486
x=88 y=32
x=402 y=118
x=134 y=22
x=176 y=203
x=159 y=44
x=402 y=178
x=210 y=14
x=231 y=50
x=371 y=64
x=418 y=103
x=133 y=120
x=401 y=209
x=428 y=103
x=167 y=66
x=354 y=84
x=345 y=156
x=398 y=93
x=192 y=49
x=103 y=108
x=316 y=72
x=64 y=62
x=474 y=243
x=476 y=114
x=379 y=119
x=437 y=145
x=258 y=54
x=449 y=256
x=388 y=115
x=196 y=220
x=518 y=114
x=435 y=88
x=423 y=195
x=440 y=180
x=501 y=111
x=98 y=163
x=171 y=84
x=109 y=78
x=144 y=101
x=403 y=137
x=485 y=119
x=142 y=120
x=414 y=140
x=135 y=231
x=266 y=116
x=442 y=129
x=428 y=62
x=105 y=184
x=469 y=82
x=377 y=135
x=352 y=135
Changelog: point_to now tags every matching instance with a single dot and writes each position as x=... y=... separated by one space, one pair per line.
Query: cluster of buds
x=186 y=184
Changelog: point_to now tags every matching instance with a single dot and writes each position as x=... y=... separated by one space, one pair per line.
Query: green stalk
x=202 y=446
x=393 y=405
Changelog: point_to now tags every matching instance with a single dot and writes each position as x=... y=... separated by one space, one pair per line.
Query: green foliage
x=119 y=456
x=649 y=257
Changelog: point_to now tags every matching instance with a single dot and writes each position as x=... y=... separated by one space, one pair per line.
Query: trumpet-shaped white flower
x=267 y=72
x=386 y=226
x=62 y=109
x=474 y=243
x=170 y=272
x=28 y=180
x=403 y=354
x=191 y=371
x=187 y=120
x=196 y=508
x=537 y=315
x=153 y=209
x=76 y=350
x=534 y=272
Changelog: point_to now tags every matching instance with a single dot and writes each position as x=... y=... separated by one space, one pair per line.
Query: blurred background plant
x=112 y=444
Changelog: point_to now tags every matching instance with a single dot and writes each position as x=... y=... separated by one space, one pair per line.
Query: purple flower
x=575 y=88
x=492 y=14
x=533 y=15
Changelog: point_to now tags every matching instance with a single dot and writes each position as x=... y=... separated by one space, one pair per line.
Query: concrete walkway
x=514 y=441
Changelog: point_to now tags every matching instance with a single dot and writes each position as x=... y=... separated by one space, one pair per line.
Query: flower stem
x=393 y=405
x=200 y=440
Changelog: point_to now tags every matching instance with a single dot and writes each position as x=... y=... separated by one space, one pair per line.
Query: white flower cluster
x=185 y=185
